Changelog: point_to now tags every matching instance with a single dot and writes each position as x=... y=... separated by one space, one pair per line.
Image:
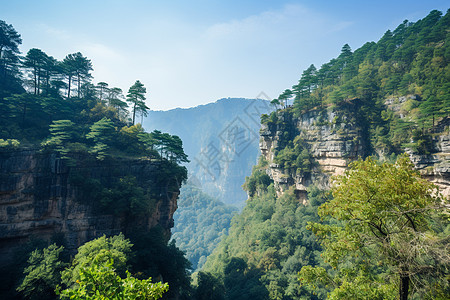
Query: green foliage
x=136 y=97
x=208 y=287
x=200 y=224
x=97 y=252
x=169 y=146
x=411 y=60
x=100 y=271
x=94 y=121
x=127 y=197
x=100 y=281
x=422 y=142
x=156 y=258
x=61 y=133
x=9 y=60
x=295 y=158
x=270 y=240
x=102 y=134
x=243 y=283
x=380 y=235
x=258 y=181
x=42 y=274
x=9 y=143
x=76 y=66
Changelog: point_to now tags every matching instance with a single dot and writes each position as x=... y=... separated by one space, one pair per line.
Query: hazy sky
x=194 y=52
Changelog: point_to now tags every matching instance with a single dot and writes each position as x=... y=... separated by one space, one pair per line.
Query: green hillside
x=396 y=91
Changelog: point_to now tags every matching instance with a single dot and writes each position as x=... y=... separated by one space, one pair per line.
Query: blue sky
x=194 y=52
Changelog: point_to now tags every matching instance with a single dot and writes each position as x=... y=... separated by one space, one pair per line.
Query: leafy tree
x=303 y=89
x=100 y=281
x=385 y=217
x=50 y=69
x=275 y=103
x=76 y=66
x=159 y=259
x=242 y=283
x=36 y=61
x=258 y=181
x=116 y=99
x=170 y=146
x=208 y=287
x=99 y=252
x=9 y=57
x=136 y=96
x=9 y=143
x=42 y=274
x=285 y=96
x=270 y=235
x=102 y=90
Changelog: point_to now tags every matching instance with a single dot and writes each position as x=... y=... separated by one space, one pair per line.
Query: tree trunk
x=79 y=86
x=35 y=81
x=39 y=81
x=404 y=287
x=68 y=90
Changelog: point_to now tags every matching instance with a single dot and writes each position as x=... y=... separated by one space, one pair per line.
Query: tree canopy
x=136 y=96
x=382 y=234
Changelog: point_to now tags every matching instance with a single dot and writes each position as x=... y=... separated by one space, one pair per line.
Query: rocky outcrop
x=334 y=138
x=43 y=196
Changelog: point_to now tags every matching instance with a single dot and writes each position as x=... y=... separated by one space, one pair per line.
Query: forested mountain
x=410 y=60
x=381 y=232
x=75 y=167
x=221 y=140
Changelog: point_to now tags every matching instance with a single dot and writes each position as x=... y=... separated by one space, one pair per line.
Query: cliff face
x=436 y=166
x=42 y=196
x=334 y=139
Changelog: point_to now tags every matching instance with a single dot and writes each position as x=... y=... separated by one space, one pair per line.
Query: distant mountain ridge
x=221 y=140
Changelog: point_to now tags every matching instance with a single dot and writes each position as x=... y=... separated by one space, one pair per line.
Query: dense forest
x=200 y=223
x=380 y=233
x=410 y=60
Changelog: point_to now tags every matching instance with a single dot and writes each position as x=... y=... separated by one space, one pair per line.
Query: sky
x=188 y=53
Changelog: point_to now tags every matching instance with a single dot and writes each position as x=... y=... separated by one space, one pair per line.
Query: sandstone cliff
x=43 y=196
x=334 y=137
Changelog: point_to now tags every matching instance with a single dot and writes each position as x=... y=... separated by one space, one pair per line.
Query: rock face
x=41 y=198
x=436 y=166
x=334 y=138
